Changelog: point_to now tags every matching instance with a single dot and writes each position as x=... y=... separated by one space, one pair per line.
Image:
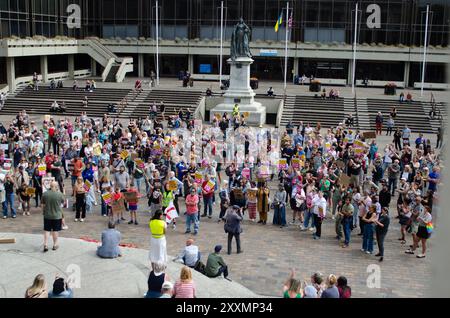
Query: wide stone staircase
x=39 y=102
x=413 y=114
x=174 y=100
x=329 y=112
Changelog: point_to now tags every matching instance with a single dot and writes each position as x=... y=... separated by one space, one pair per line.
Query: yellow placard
x=124 y=154
x=173 y=185
x=359 y=150
x=31 y=191
x=218 y=116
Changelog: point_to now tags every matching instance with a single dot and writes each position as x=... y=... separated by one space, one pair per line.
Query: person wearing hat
x=167 y=290
x=216 y=266
x=233 y=228
x=60 y=289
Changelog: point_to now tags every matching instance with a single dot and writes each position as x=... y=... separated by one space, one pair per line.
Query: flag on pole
x=290 y=22
x=171 y=213
x=279 y=22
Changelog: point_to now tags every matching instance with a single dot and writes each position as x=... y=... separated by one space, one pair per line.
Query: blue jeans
x=152 y=294
x=138 y=183
x=308 y=216
x=9 y=200
x=192 y=218
x=207 y=202
x=368 y=238
x=347 y=229
x=279 y=215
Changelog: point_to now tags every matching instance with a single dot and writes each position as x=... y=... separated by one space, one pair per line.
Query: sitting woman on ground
x=38 y=289
x=184 y=287
x=292 y=287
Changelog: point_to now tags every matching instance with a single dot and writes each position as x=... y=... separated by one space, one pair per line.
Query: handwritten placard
x=140 y=163
x=209 y=186
x=46 y=182
x=282 y=164
x=30 y=191
x=295 y=163
x=131 y=197
x=87 y=185
x=246 y=173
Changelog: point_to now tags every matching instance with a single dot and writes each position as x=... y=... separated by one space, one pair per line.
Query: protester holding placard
x=80 y=200
x=168 y=198
x=208 y=193
x=263 y=203
x=24 y=198
x=132 y=197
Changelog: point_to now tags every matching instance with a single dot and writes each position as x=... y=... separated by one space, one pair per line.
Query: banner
x=46 y=182
x=171 y=213
x=107 y=198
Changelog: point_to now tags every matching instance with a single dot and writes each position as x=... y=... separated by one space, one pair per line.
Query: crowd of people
x=337 y=175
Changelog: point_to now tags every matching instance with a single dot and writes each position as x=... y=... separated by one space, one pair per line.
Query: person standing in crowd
x=80 y=200
x=279 y=204
x=51 y=201
x=192 y=201
x=423 y=232
x=233 y=228
x=381 y=229
x=347 y=220
x=320 y=209
x=263 y=203
x=208 y=194
x=379 y=123
x=368 y=221
x=9 y=197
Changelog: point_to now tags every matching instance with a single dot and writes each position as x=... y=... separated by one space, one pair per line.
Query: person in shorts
x=51 y=201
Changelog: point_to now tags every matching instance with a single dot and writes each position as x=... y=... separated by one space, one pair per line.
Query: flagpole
x=221 y=44
x=425 y=45
x=354 y=50
x=286 y=48
x=157 y=43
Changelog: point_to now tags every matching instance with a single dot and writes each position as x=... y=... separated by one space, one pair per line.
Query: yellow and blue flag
x=279 y=22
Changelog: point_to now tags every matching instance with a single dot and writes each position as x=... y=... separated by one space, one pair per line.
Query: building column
x=11 y=73
x=140 y=65
x=406 y=74
x=296 y=70
x=191 y=63
x=71 y=66
x=44 y=68
x=93 y=67
x=350 y=72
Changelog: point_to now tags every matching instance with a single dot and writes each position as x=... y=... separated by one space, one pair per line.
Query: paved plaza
x=269 y=252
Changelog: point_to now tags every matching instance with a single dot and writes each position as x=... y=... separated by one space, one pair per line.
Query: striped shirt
x=184 y=290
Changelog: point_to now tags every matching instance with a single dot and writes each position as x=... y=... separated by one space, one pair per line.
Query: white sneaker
x=302 y=228
x=292 y=223
x=333 y=218
x=174 y=226
x=65 y=227
x=76 y=220
x=311 y=229
x=5 y=217
x=81 y=220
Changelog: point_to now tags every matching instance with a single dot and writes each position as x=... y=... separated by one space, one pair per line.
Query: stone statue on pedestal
x=240 y=41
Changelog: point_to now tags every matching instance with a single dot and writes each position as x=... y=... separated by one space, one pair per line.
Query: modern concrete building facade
x=390 y=39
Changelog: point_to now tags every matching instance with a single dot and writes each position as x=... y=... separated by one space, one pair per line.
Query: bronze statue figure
x=240 y=41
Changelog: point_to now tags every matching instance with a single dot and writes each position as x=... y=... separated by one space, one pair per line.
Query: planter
x=315 y=87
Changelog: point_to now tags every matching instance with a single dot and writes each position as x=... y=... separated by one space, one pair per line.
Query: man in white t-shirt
x=319 y=211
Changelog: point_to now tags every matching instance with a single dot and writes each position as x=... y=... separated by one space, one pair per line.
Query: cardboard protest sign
x=251 y=193
x=118 y=206
x=4 y=147
x=238 y=194
x=173 y=185
x=46 y=182
x=107 y=197
x=359 y=150
x=218 y=116
x=344 y=180
x=131 y=196
x=77 y=134
x=369 y=135
x=358 y=144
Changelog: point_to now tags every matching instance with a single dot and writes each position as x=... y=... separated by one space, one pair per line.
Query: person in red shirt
x=49 y=160
x=51 y=137
x=192 y=211
x=208 y=195
x=77 y=169
x=116 y=195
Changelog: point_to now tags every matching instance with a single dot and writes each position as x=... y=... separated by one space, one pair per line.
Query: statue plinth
x=241 y=93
